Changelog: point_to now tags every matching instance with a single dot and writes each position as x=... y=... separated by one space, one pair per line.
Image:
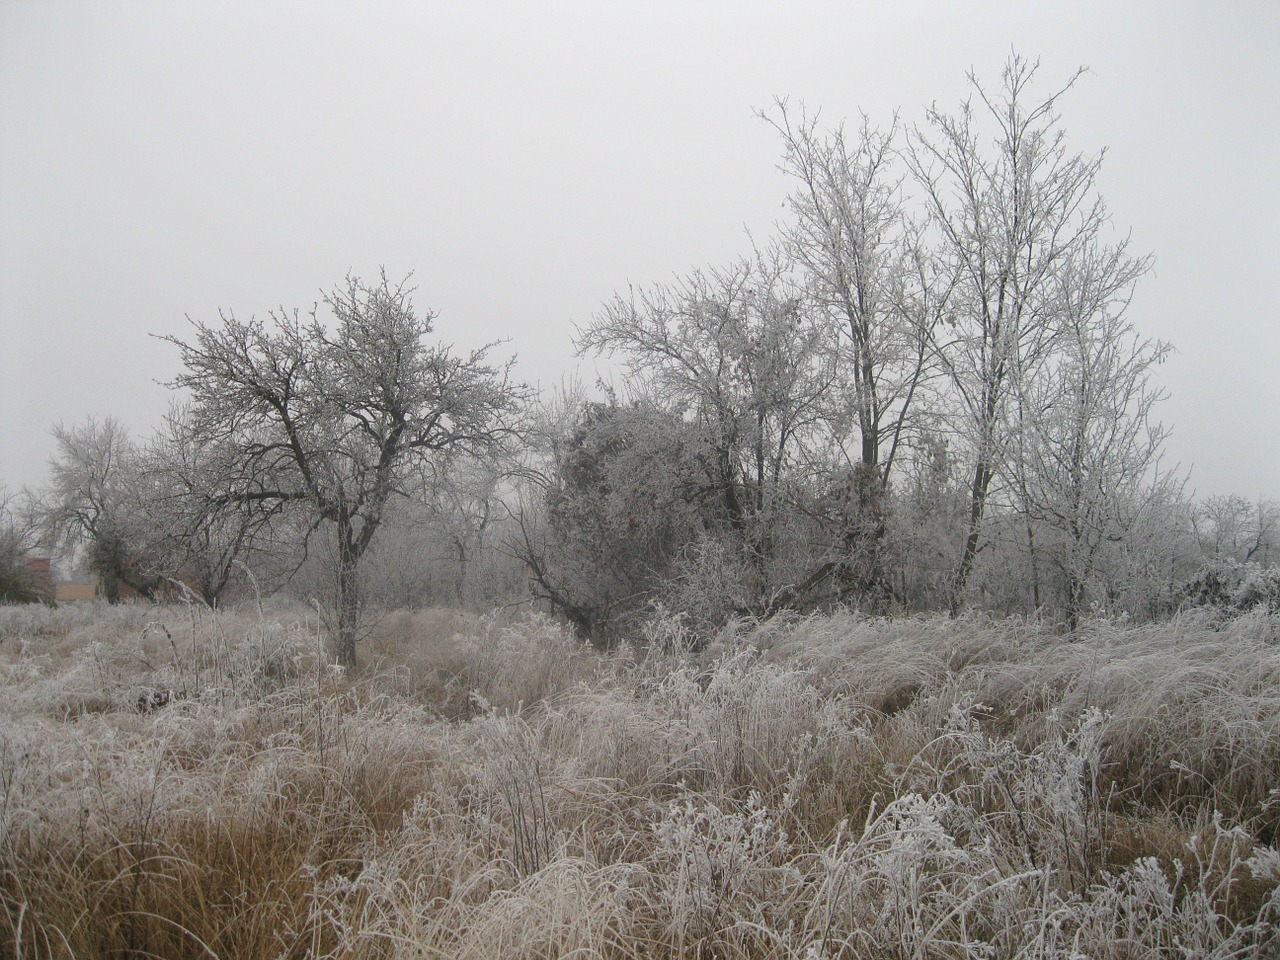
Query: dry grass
x=177 y=784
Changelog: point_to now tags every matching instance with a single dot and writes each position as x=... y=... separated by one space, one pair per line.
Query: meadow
x=180 y=783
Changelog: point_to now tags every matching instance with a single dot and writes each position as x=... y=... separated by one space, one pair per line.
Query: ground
x=179 y=783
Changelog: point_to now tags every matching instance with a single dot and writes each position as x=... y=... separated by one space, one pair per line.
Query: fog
x=160 y=161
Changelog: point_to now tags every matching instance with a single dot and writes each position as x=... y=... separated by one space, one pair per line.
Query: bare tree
x=858 y=250
x=329 y=422
x=851 y=234
x=735 y=352
x=1085 y=449
x=198 y=536
x=465 y=494
x=90 y=508
x=18 y=537
x=1012 y=212
x=1232 y=527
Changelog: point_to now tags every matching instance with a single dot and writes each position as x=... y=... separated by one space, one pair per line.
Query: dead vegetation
x=818 y=788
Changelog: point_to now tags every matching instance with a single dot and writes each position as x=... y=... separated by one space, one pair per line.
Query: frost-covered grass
x=178 y=784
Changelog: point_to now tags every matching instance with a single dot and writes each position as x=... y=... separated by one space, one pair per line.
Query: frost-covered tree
x=851 y=235
x=466 y=496
x=326 y=420
x=858 y=252
x=615 y=505
x=1232 y=527
x=199 y=538
x=18 y=583
x=736 y=353
x=91 y=508
x=1015 y=219
x=1086 y=446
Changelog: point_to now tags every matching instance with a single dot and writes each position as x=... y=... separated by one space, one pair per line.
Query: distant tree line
x=923 y=393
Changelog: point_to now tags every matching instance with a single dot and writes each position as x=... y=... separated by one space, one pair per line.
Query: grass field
x=176 y=784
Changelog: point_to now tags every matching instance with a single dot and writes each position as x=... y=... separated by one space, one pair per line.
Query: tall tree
x=858 y=251
x=851 y=235
x=1012 y=213
x=329 y=420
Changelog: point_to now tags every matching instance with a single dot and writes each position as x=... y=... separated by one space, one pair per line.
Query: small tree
x=735 y=353
x=464 y=495
x=1229 y=526
x=198 y=536
x=92 y=508
x=329 y=421
x=1086 y=448
x=18 y=582
x=617 y=502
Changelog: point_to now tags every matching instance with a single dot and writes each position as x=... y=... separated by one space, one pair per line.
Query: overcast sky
x=159 y=160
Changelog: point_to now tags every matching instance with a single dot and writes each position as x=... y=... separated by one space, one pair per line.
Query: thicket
x=924 y=393
x=181 y=783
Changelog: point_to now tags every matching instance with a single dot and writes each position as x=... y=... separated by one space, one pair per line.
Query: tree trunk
x=871 y=529
x=1035 y=566
x=348 y=596
x=460 y=581
x=977 y=506
x=1075 y=601
x=872 y=487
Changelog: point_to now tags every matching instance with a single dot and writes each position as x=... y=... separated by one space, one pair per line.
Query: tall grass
x=177 y=784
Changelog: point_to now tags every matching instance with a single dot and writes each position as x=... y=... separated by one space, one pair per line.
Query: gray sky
x=159 y=160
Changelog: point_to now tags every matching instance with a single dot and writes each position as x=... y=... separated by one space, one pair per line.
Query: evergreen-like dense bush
x=1235 y=587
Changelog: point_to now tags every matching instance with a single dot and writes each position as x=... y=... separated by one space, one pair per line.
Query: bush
x=1235 y=587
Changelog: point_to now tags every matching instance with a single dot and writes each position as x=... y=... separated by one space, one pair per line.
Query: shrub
x=1235 y=587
